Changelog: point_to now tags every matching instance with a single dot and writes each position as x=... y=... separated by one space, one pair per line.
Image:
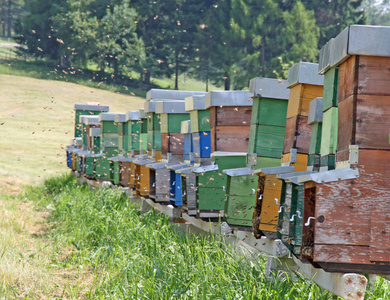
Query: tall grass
x=136 y=255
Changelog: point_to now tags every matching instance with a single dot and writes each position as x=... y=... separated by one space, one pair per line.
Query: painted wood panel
x=315 y=138
x=290 y=135
x=331 y=82
x=269 y=140
x=294 y=101
x=307 y=249
x=297 y=135
x=347 y=78
x=200 y=120
x=373 y=75
x=230 y=116
x=346 y=120
x=210 y=198
x=269 y=112
x=270 y=204
x=230 y=138
x=329 y=132
x=349 y=214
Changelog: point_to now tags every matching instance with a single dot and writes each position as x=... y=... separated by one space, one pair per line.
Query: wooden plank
x=302 y=142
x=290 y=135
x=230 y=138
x=270 y=204
x=165 y=143
x=230 y=116
x=258 y=206
x=164 y=123
x=310 y=92
x=373 y=121
x=269 y=140
x=373 y=77
x=307 y=249
x=315 y=138
x=329 y=132
x=269 y=112
x=294 y=101
x=347 y=208
x=347 y=124
x=176 y=143
x=348 y=78
x=174 y=122
x=380 y=231
x=210 y=198
x=331 y=82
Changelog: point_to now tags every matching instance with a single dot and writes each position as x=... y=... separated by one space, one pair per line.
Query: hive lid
x=120 y=117
x=197 y=102
x=170 y=107
x=228 y=98
x=101 y=108
x=315 y=111
x=306 y=73
x=142 y=114
x=90 y=120
x=94 y=132
x=355 y=40
x=155 y=94
x=107 y=117
x=133 y=115
x=269 y=88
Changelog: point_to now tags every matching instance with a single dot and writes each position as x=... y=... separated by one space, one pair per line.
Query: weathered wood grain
x=373 y=75
x=348 y=78
x=308 y=231
x=350 y=211
x=303 y=135
x=230 y=116
x=294 y=101
x=347 y=124
x=230 y=138
x=290 y=135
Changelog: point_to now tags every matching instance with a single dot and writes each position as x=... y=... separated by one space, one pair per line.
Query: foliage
x=226 y=42
x=140 y=255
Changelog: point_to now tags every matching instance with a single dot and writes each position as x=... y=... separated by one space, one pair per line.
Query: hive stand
x=266 y=140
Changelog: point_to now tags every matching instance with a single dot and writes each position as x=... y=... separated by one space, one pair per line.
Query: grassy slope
x=37 y=119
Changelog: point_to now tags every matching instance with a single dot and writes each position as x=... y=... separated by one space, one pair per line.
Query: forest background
x=221 y=42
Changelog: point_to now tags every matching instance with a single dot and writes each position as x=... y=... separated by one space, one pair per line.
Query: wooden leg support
x=349 y=286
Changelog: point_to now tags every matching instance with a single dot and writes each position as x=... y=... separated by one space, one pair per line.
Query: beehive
x=265 y=149
x=200 y=129
x=352 y=202
x=109 y=146
x=85 y=109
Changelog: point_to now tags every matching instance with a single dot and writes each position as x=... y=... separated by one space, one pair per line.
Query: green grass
x=136 y=255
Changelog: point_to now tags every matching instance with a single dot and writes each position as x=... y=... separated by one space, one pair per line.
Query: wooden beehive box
x=230 y=117
x=85 y=109
x=315 y=121
x=268 y=120
x=200 y=128
x=356 y=210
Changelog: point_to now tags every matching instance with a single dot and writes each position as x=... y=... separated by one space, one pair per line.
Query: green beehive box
x=265 y=140
x=85 y=109
x=172 y=114
x=315 y=138
x=331 y=83
x=200 y=120
x=240 y=200
x=296 y=218
x=269 y=111
x=133 y=130
x=329 y=131
x=215 y=181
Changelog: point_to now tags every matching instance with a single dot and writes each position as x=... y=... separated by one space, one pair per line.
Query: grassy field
x=36 y=124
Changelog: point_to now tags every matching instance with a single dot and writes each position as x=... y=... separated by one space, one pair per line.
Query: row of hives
x=304 y=160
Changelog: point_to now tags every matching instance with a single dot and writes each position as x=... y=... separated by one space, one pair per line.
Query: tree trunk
x=207 y=75
x=263 y=66
x=147 y=77
x=227 y=83
x=177 y=70
x=9 y=18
